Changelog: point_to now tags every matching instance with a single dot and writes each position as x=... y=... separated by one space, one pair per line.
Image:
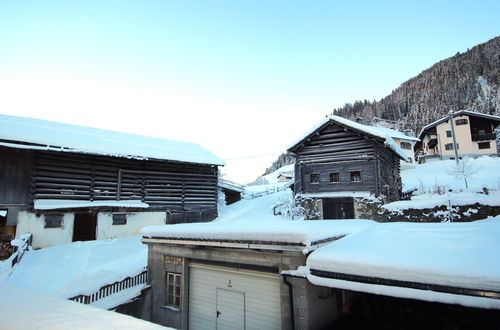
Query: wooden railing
x=19 y=250
x=110 y=289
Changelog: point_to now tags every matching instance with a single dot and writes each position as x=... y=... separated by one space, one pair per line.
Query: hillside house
x=340 y=160
x=474 y=133
x=69 y=183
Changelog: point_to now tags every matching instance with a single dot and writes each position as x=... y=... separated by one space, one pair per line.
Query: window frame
x=449 y=134
x=54 y=220
x=405 y=145
x=119 y=219
x=479 y=144
x=315 y=175
x=461 y=121
x=449 y=146
x=360 y=176
x=331 y=175
x=173 y=286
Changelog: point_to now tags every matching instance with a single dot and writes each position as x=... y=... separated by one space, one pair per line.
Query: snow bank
x=452 y=254
x=48 y=135
x=68 y=270
x=429 y=201
x=24 y=309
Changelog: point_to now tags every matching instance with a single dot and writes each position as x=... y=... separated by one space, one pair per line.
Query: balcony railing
x=484 y=137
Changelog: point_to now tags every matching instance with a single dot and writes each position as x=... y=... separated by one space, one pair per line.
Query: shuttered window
x=119 y=219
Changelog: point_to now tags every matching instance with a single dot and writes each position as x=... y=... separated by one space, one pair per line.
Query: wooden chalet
x=66 y=183
x=340 y=160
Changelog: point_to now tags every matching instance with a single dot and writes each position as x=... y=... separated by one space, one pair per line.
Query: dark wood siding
x=165 y=185
x=15 y=175
x=335 y=148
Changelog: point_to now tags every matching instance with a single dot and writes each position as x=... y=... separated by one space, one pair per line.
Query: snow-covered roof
x=28 y=133
x=456 y=114
x=456 y=255
x=386 y=134
x=53 y=204
x=304 y=234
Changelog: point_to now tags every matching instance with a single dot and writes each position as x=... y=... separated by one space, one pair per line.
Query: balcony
x=484 y=137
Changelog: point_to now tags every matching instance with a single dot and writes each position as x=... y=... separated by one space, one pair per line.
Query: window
x=483 y=145
x=406 y=145
x=355 y=176
x=335 y=177
x=119 y=219
x=173 y=289
x=53 y=220
x=448 y=134
x=315 y=178
x=449 y=146
x=461 y=122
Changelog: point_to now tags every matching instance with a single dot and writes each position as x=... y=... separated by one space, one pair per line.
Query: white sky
x=244 y=80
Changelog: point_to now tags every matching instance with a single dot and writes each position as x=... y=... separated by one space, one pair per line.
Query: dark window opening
x=355 y=176
x=449 y=146
x=53 y=220
x=338 y=208
x=406 y=145
x=461 y=122
x=119 y=219
x=483 y=145
x=448 y=134
x=315 y=178
x=173 y=289
x=335 y=177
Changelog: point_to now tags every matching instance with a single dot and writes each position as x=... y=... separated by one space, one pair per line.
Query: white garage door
x=225 y=298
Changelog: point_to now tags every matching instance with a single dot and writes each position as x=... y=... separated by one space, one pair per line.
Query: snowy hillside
x=432 y=176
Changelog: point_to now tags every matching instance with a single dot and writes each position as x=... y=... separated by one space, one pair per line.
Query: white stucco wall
x=135 y=222
x=44 y=237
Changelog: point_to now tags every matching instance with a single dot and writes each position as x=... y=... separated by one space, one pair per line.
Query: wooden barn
x=68 y=183
x=340 y=160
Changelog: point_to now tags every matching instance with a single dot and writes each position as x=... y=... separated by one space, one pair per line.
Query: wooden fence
x=113 y=288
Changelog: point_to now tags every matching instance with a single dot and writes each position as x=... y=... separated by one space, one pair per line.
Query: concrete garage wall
x=44 y=237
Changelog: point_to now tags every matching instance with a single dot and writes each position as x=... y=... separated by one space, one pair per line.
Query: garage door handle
x=218 y=313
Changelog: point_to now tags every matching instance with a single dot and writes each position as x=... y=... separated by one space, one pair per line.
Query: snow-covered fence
x=265 y=192
x=113 y=288
x=20 y=245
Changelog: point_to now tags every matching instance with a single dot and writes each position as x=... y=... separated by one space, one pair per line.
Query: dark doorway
x=84 y=227
x=338 y=208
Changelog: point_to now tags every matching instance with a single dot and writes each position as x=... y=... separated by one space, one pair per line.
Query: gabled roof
x=29 y=133
x=456 y=114
x=385 y=134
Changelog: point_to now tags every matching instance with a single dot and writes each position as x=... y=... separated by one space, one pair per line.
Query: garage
x=232 y=298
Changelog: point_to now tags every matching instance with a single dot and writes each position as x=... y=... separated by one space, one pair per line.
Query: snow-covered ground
x=78 y=268
x=430 y=177
x=24 y=309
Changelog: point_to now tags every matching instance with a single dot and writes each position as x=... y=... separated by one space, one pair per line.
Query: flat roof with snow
x=295 y=235
x=453 y=263
x=28 y=133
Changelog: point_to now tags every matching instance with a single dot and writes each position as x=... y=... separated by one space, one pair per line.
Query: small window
x=53 y=220
x=461 y=122
x=355 y=176
x=119 y=219
x=406 y=145
x=173 y=289
x=335 y=177
x=449 y=146
x=483 y=145
x=315 y=178
x=448 y=134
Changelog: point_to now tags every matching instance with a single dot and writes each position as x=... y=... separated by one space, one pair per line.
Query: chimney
x=359 y=120
x=408 y=132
